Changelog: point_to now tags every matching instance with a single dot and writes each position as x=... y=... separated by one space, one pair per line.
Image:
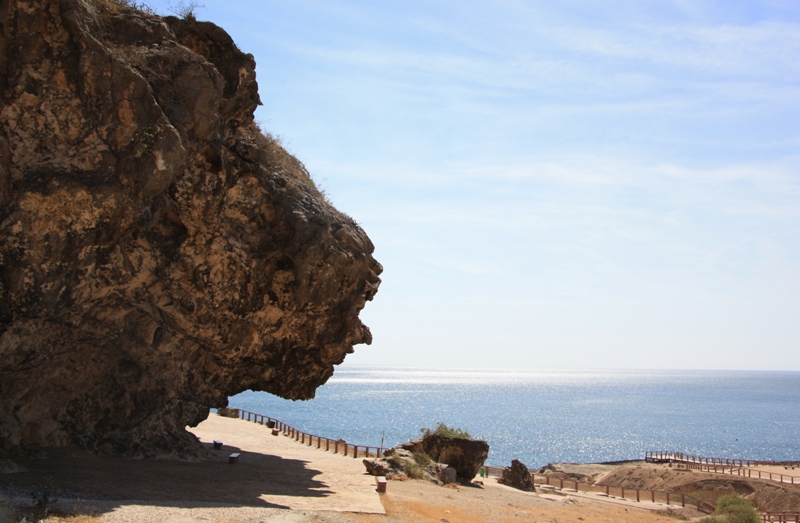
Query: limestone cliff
x=158 y=253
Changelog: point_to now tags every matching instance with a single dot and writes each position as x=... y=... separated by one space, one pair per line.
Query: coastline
x=280 y=479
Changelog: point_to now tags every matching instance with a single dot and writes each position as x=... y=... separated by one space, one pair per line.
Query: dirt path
x=273 y=473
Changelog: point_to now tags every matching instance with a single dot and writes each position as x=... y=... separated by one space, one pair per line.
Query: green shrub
x=397 y=462
x=448 y=432
x=733 y=509
x=414 y=471
x=422 y=459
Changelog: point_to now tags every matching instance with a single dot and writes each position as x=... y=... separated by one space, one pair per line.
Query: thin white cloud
x=764 y=49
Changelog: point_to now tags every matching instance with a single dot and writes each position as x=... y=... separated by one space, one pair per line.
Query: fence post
x=683 y=500
x=622 y=495
x=607 y=491
x=667 y=498
x=561 y=484
x=637 y=495
x=653 y=495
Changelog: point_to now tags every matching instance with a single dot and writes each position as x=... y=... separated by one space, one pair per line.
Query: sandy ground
x=274 y=473
x=280 y=480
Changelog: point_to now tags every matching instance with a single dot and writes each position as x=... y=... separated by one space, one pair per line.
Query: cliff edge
x=158 y=253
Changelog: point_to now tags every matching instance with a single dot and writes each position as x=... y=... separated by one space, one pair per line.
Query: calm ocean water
x=556 y=416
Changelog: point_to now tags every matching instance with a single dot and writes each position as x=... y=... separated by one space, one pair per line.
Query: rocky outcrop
x=517 y=476
x=465 y=455
x=399 y=463
x=158 y=253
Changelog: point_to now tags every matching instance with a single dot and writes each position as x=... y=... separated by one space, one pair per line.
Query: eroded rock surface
x=517 y=476
x=399 y=463
x=158 y=253
x=465 y=455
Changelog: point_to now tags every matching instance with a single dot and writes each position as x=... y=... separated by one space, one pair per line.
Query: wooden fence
x=630 y=494
x=664 y=456
x=336 y=446
x=781 y=517
x=735 y=467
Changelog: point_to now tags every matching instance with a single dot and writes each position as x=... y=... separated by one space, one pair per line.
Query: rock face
x=517 y=476
x=465 y=455
x=401 y=463
x=158 y=253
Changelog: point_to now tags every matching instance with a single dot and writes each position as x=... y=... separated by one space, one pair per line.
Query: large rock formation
x=158 y=253
x=465 y=455
x=401 y=463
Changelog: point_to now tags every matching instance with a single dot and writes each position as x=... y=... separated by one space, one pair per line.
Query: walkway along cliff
x=158 y=253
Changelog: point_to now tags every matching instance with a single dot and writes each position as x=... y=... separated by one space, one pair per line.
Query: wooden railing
x=735 y=467
x=671 y=456
x=336 y=446
x=781 y=517
x=631 y=494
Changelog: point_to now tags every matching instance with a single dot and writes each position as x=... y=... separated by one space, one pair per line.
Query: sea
x=556 y=416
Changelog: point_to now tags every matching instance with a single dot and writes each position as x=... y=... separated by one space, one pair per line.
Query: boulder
x=158 y=252
x=517 y=476
x=377 y=466
x=466 y=456
x=399 y=463
x=228 y=412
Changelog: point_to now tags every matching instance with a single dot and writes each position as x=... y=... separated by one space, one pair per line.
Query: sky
x=573 y=185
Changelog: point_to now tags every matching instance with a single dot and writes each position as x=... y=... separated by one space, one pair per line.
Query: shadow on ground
x=77 y=474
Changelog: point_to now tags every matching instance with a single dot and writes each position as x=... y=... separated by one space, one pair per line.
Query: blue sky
x=552 y=184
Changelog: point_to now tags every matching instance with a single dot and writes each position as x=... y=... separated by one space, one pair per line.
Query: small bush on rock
x=414 y=471
x=443 y=430
x=422 y=459
x=397 y=462
x=116 y=6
